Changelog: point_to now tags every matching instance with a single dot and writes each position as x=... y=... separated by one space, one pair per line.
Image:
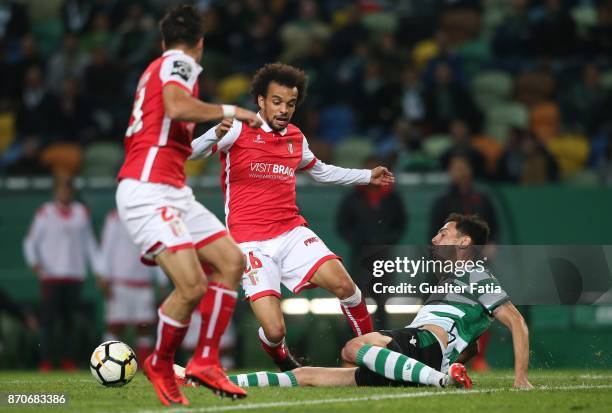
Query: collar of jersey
x=267 y=128
x=179 y=51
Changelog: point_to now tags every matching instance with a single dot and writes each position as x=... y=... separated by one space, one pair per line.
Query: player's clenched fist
x=381 y=176
x=248 y=117
x=223 y=127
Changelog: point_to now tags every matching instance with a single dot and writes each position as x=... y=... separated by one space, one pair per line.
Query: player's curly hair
x=182 y=25
x=282 y=74
x=471 y=225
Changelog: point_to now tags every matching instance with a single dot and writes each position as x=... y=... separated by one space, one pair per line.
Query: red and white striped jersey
x=119 y=257
x=258 y=177
x=61 y=241
x=156 y=147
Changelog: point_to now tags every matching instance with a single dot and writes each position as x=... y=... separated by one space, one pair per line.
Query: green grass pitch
x=556 y=391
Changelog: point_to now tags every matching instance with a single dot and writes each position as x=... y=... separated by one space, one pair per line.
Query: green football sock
x=264 y=379
x=396 y=366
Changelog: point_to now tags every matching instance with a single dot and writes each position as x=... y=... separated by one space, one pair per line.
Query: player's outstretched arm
x=508 y=315
x=181 y=106
x=331 y=174
x=219 y=137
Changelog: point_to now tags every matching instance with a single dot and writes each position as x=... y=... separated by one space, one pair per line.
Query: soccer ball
x=113 y=364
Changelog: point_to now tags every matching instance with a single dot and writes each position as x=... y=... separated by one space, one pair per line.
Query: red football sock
x=278 y=351
x=483 y=343
x=143 y=348
x=357 y=315
x=217 y=308
x=170 y=335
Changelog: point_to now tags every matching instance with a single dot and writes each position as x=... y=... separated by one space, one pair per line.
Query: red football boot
x=459 y=376
x=213 y=377
x=181 y=380
x=45 y=366
x=165 y=385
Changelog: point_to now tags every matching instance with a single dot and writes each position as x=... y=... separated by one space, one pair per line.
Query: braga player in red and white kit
x=261 y=213
x=162 y=217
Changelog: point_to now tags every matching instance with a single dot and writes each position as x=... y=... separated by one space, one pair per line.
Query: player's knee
x=235 y=263
x=350 y=349
x=194 y=293
x=275 y=332
x=232 y=267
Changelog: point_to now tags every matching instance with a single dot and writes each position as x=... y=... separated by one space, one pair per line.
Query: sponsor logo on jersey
x=258 y=139
x=311 y=241
x=272 y=168
x=290 y=146
x=182 y=69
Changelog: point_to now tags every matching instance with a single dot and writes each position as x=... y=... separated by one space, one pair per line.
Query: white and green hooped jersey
x=463 y=307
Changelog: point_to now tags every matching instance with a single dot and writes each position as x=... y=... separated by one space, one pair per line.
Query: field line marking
x=374 y=397
x=547 y=377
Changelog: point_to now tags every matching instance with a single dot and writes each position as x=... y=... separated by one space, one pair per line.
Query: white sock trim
x=354 y=300
x=224 y=290
x=434 y=378
x=262 y=337
x=165 y=319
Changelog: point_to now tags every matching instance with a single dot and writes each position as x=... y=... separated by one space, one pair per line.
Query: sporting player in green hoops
x=444 y=331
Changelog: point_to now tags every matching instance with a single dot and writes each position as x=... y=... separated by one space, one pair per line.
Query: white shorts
x=159 y=217
x=130 y=305
x=290 y=259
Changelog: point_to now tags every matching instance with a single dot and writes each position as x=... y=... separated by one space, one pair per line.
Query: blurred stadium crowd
x=522 y=89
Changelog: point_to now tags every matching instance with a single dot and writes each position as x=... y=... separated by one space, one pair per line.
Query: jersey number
x=136 y=125
x=253 y=263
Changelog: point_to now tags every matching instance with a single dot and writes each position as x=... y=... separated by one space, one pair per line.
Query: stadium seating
x=491 y=149
x=534 y=87
x=544 y=120
x=416 y=162
x=570 y=151
x=7 y=130
x=102 y=159
x=435 y=145
x=585 y=16
x=460 y=24
x=606 y=80
x=351 y=152
x=491 y=87
x=233 y=88
x=63 y=158
x=493 y=14
x=381 y=22
x=475 y=55
x=339 y=122
x=423 y=51
x=48 y=34
x=503 y=116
